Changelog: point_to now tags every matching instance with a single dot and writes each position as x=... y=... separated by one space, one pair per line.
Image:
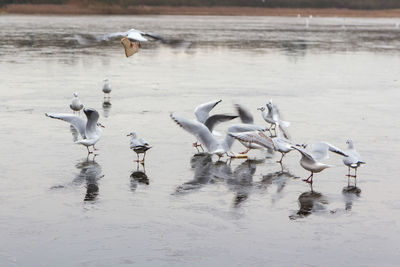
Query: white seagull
x=353 y=159
x=204 y=135
x=138 y=145
x=272 y=116
x=310 y=160
x=202 y=113
x=131 y=39
x=89 y=128
x=76 y=104
x=278 y=143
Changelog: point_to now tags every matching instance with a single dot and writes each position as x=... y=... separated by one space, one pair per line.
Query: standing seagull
x=131 y=40
x=106 y=90
x=310 y=161
x=76 y=104
x=353 y=160
x=278 y=143
x=272 y=116
x=138 y=145
x=89 y=128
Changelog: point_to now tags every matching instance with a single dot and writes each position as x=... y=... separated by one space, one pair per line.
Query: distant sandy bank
x=167 y=10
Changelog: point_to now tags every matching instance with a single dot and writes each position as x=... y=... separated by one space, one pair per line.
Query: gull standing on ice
x=272 y=116
x=138 y=145
x=76 y=104
x=353 y=159
x=310 y=160
x=278 y=143
x=89 y=128
x=106 y=90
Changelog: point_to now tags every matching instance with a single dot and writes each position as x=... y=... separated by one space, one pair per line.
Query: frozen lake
x=336 y=79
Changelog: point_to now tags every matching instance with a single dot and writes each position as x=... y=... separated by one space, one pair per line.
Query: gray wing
x=254 y=137
x=304 y=153
x=154 y=36
x=91 y=126
x=244 y=114
x=202 y=111
x=78 y=122
x=214 y=120
x=199 y=130
x=320 y=150
x=109 y=36
x=138 y=143
x=237 y=128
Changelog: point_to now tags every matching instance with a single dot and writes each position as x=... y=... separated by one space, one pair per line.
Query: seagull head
x=261 y=108
x=101 y=125
x=132 y=134
x=75 y=94
x=349 y=143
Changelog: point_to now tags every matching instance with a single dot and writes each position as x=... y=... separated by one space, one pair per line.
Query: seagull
x=247 y=118
x=138 y=145
x=310 y=160
x=131 y=39
x=204 y=135
x=106 y=90
x=89 y=129
x=353 y=160
x=278 y=143
x=202 y=113
x=76 y=104
x=272 y=116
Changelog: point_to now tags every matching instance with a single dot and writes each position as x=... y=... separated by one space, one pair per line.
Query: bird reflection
x=310 y=202
x=350 y=193
x=138 y=177
x=241 y=181
x=106 y=109
x=90 y=172
x=202 y=165
x=280 y=178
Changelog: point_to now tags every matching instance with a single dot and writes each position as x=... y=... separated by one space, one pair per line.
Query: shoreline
x=200 y=11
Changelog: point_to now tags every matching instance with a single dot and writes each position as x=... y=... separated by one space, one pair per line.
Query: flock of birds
x=247 y=133
x=273 y=137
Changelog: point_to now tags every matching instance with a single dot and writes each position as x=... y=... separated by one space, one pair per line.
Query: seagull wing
x=78 y=122
x=304 y=153
x=112 y=35
x=254 y=137
x=214 y=120
x=237 y=128
x=134 y=36
x=320 y=150
x=244 y=114
x=202 y=111
x=154 y=36
x=199 y=130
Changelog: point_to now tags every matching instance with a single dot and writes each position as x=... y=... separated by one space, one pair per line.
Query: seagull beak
x=128 y=135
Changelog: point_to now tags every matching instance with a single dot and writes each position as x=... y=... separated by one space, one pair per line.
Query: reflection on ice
x=90 y=173
x=106 y=109
x=138 y=177
x=350 y=193
x=310 y=202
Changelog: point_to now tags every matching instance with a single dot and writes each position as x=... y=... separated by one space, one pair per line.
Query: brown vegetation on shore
x=168 y=10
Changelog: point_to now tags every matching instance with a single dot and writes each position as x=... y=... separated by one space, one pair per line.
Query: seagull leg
x=94 y=148
x=308 y=179
x=144 y=155
x=137 y=154
x=88 y=151
x=280 y=161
